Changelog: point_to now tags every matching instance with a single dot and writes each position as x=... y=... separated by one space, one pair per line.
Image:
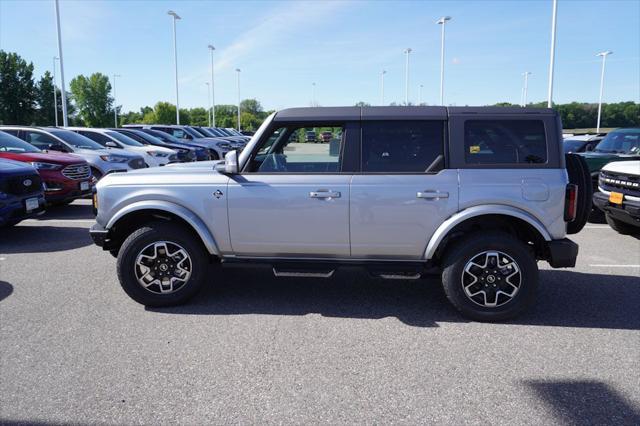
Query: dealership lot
x=255 y=349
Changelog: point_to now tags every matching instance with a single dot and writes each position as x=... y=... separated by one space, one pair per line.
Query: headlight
x=157 y=154
x=114 y=159
x=46 y=166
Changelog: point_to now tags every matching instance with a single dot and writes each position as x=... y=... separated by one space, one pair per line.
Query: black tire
x=579 y=175
x=143 y=237
x=621 y=227
x=468 y=248
x=596 y=216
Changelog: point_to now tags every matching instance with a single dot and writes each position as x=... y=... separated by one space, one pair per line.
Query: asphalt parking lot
x=255 y=349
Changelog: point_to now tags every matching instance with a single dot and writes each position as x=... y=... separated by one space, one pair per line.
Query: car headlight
x=46 y=166
x=114 y=159
x=157 y=154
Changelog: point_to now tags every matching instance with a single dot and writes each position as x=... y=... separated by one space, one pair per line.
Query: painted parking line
x=59 y=221
x=597 y=227
x=614 y=266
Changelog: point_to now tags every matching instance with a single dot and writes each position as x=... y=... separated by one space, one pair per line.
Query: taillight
x=571 y=203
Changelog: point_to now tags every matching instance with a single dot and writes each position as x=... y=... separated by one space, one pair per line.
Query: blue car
x=21 y=194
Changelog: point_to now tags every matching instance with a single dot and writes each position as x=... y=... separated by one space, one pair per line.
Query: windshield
x=573 y=145
x=125 y=140
x=206 y=132
x=192 y=132
x=165 y=137
x=225 y=132
x=623 y=141
x=9 y=143
x=216 y=132
x=148 y=139
x=75 y=140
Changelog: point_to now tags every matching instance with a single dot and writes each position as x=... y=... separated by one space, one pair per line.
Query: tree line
x=25 y=101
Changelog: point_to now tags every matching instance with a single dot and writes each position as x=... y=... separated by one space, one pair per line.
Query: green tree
x=362 y=104
x=17 y=90
x=44 y=115
x=198 y=117
x=92 y=97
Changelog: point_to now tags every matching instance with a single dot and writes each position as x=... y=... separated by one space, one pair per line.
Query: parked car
x=153 y=156
x=218 y=147
x=102 y=161
x=581 y=143
x=201 y=150
x=183 y=152
x=310 y=136
x=65 y=177
x=483 y=202
x=325 y=137
x=21 y=194
x=619 y=196
x=236 y=134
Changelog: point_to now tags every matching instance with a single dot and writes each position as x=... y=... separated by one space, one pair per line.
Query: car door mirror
x=111 y=144
x=230 y=164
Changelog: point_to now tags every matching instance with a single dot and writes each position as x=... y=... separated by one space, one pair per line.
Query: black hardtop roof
x=329 y=114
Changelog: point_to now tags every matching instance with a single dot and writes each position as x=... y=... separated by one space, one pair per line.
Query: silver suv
x=480 y=194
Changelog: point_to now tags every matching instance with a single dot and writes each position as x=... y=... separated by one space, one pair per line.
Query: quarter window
x=505 y=142
x=402 y=146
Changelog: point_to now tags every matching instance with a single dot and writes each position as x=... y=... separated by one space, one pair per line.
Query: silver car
x=480 y=194
x=102 y=161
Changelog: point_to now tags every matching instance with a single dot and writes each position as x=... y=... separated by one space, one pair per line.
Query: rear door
x=404 y=190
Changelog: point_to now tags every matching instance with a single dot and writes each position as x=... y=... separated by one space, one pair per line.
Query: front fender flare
x=491 y=209
x=187 y=215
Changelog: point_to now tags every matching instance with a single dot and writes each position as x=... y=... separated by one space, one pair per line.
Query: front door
x=404 y=191
x=292 y=198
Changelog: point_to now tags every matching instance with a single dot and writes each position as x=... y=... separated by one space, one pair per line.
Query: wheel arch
x=507 y=218
x=136 y=214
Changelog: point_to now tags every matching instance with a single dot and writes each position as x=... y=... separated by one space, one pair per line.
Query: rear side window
x=505 y=142
x=402 y=146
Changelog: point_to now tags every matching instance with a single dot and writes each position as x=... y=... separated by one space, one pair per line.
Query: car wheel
x=161 y=264
x=578 y=172
x=621 y=227
x=490 y=276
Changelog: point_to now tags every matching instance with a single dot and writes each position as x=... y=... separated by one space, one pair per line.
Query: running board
x=400 y=276
x=303 y=274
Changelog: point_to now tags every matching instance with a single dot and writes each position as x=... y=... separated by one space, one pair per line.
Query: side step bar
x=302 y=273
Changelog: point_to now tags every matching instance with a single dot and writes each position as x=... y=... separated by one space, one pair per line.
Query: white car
x=153 y=155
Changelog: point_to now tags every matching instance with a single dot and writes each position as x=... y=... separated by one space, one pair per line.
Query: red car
x=65 y=177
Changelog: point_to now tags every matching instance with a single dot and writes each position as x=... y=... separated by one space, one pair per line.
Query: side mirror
x=230 y=164
x=111 y=144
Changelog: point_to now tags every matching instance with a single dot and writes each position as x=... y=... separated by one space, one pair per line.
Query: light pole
x=213 y=92
x=175 y=60
x=552 y=53
x=407 y=52
x=442 y=21
x=526 y=75
x=55 y=92
x=238 y=74
x=313 y=94
x=382 y=87
x=115 y=107
x=604 y=60
x=420 y=95
x=208 y=102
x=63 y=91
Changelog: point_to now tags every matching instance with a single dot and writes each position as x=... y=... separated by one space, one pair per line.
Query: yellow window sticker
x=474 y=149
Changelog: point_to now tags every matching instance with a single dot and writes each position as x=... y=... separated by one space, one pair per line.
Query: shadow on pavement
x=43 y=239
x=5 y=291
x=565 y=299
x=77 y=210
x=585 y=402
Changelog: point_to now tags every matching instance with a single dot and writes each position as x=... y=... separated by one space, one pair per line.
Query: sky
x=283 y=47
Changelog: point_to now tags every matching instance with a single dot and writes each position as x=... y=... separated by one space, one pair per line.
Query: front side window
x=623 y=141
x=505 y=142
x=287 y=151
x=74 y=139
x=40 y=140
x=9 y=143
x=402 y=146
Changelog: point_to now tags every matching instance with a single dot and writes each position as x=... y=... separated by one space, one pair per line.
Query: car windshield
x=192 y=132
x=225 y=132
x=165 y=137
x=573 y=145
x=216 y=132
x=125 y=140
x=9 y=143
x=75 y=140
x=146 y=137
x=623 y=141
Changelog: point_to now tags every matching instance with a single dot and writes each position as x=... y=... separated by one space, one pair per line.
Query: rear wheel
x=578 y=172
x=161 y=264
x=490 y=276
x=622 y=227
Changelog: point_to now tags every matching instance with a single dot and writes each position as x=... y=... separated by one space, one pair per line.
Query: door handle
x=432 y=195
x=325 y=194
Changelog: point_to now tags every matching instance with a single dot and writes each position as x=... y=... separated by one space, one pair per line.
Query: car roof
x=397 y=112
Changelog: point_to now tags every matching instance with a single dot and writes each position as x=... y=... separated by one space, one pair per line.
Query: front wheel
x=161 y=264
x=490 y=276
